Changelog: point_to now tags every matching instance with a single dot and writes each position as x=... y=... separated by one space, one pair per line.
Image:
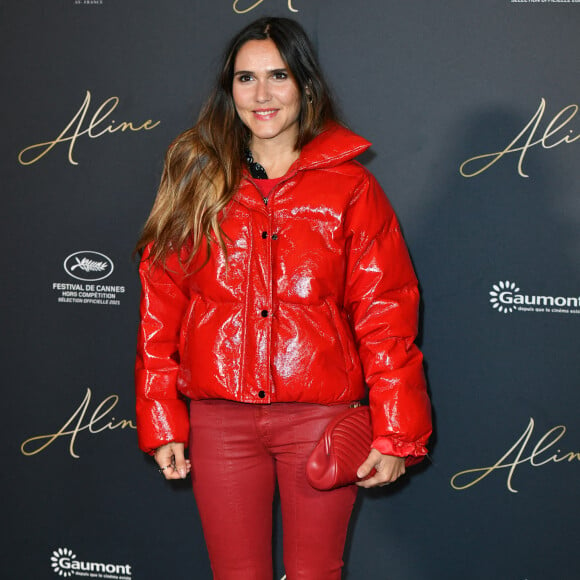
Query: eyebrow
x=271 y=71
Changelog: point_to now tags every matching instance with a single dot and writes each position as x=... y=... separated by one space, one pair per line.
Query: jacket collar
x=335 y=145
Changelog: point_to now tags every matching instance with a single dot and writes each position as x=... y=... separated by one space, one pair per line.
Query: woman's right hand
x=172 y=462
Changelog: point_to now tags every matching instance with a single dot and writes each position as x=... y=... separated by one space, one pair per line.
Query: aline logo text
x=99 y=124
x=240 y=7
x=559 y=131
x=506 y=297
x=80 y=422
x=548 y=449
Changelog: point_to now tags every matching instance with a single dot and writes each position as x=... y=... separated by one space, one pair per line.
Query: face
x=265 y=94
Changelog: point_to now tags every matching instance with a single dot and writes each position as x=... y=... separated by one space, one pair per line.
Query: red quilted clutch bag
x=344 y=446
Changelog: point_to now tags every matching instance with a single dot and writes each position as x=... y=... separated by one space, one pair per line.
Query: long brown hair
x=203 y=165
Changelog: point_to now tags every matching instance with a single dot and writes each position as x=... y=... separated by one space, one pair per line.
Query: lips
x=265 y=113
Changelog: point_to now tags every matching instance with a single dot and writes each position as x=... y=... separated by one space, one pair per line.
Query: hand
x=389 y=469
x=172 y=462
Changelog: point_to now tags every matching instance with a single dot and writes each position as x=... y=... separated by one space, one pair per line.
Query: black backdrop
x=92 y=93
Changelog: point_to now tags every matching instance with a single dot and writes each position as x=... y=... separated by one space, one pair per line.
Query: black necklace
x=256 y=170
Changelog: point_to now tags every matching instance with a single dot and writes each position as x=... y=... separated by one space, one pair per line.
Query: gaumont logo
x=506 y=297
x=88 y=266
x=64 y=562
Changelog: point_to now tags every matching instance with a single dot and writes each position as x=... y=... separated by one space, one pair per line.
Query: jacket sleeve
x=162 y=414
x=382 y=299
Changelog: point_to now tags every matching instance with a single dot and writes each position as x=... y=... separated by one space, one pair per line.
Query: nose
x=262 y=91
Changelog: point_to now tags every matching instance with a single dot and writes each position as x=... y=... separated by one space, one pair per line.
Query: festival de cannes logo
x=88 y=266
x=506 y=297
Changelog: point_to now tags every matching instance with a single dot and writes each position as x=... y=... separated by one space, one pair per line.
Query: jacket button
x=264 y=313
x=261 y=394
x=264 y=235
x=274 y=236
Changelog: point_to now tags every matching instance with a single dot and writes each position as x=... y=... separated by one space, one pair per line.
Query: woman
x=277 y=288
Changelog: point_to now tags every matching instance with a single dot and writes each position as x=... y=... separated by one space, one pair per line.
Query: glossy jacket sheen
x=318 y=299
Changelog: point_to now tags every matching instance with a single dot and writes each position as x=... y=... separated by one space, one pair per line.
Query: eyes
x=246 y=77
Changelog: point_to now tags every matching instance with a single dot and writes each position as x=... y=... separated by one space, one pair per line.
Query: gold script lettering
x=75 y=129
x=238 y=10
x=553 y=137
x=547 y=441
x=75 y=424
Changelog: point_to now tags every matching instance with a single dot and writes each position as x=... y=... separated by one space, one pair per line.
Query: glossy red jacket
x=318 y=302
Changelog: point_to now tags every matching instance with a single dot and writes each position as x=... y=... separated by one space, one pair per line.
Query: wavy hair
x=203 y=165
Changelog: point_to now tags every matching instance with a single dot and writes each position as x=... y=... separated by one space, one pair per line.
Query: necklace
x=256 y=170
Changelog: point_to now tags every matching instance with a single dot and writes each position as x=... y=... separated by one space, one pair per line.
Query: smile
x=265 y=113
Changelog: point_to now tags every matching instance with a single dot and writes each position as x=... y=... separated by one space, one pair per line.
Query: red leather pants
x=238 y=451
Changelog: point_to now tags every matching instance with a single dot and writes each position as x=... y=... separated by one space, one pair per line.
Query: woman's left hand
x=389 y=469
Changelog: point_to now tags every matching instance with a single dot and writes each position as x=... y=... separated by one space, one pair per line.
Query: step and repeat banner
x=472 y=108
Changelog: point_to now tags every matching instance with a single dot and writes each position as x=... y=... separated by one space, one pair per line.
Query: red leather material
x=316 y=300
x=344 y=446
x=239 y=453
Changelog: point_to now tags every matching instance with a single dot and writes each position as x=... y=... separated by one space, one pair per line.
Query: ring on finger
x=162 y=469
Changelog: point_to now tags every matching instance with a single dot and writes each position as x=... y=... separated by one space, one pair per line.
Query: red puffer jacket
x=318 y=299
